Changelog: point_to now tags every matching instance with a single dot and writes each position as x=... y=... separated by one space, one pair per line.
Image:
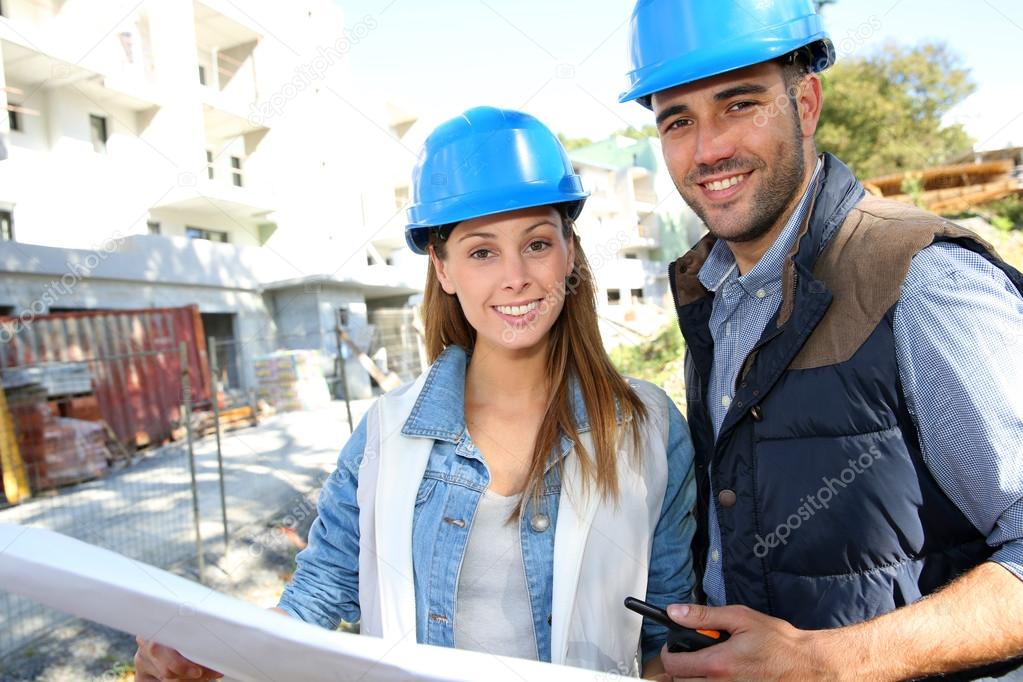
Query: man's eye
x=741 y=106
x=678 y=123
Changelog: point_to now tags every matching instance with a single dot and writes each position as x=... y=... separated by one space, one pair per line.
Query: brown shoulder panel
x=864 y=265
x=688 y=287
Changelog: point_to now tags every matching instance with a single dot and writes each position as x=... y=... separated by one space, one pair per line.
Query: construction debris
x=230 y=419
x=387 y=381
x=950 y=189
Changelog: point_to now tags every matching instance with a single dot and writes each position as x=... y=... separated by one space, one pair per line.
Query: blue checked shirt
x=959 y=345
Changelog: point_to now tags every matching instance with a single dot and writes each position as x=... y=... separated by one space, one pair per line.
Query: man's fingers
x=159 y=662
x=692 y=665
x=699 y=617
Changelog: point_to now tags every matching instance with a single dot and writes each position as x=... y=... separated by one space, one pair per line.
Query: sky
x=565 y=60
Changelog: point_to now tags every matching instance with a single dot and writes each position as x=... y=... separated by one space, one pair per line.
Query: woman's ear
x=440 y=268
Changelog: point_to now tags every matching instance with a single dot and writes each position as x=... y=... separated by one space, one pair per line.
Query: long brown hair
x=575 y=349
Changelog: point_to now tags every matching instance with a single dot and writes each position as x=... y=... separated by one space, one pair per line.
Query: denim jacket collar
x=439 y=413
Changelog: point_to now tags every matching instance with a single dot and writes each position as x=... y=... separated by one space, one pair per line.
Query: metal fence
x=207 y=463
x=66 y=469
x=397 y=331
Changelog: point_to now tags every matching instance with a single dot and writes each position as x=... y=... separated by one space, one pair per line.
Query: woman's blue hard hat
x=484 y=162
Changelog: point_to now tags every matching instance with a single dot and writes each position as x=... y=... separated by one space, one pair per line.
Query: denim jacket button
x=540 y=523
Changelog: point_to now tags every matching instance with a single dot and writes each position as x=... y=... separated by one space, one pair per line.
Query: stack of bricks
x=291 y=380
x=55 y=451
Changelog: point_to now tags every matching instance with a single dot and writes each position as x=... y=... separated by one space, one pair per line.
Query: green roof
x=618 y=151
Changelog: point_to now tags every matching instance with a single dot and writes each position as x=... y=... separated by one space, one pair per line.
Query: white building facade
x=634 y=224
x=212 y=156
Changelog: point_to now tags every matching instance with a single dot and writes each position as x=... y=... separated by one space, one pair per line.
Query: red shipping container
x=132 y=356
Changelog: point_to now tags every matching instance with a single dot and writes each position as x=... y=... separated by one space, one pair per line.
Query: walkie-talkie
x=680 y=638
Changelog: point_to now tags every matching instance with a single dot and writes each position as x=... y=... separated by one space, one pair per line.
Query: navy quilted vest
x=828 y=513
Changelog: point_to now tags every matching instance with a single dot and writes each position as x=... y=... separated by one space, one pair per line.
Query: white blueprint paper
x=239 y=639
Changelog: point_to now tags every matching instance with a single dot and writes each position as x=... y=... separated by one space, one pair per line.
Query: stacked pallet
x=56 y=451
x=58 y=378
x=292 y=380
x=951 y=189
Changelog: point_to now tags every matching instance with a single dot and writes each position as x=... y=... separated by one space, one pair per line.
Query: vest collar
x=834 y=193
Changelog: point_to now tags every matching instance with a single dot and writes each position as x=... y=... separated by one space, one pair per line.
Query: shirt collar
x=720 y=265
x=439 y=411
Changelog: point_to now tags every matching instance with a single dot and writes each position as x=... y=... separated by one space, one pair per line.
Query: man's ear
x=810 y=100
x=440 y=268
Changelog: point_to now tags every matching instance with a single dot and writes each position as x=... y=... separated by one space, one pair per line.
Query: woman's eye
x=538 y=246
x=480 y=254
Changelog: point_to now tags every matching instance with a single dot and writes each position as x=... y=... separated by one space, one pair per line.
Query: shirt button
x=540 y=523
x=761 y=293
x=727 y=498
x=725 y=401
x=715 y=556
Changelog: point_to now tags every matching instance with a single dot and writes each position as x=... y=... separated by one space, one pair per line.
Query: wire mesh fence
x=123 y=431
x=67 y=470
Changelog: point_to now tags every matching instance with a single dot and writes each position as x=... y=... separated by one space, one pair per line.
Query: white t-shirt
x=492 y=612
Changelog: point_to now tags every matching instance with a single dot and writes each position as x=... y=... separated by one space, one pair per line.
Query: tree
x=572 y=143
x=649 y=130
x=882 y=113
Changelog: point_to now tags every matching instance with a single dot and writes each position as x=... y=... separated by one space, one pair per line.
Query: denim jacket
x=326 y=585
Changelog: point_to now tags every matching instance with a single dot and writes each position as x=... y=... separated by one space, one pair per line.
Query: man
x=852 y=378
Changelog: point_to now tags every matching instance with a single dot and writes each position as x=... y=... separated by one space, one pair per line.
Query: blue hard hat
x=488 y=161
x=674 y=42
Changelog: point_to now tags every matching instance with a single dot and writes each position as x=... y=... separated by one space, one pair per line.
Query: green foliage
x=659 y=361
x=649 y=130
x=1007 y=213
x=570 y=143
x=913 y=185
x=882 y=113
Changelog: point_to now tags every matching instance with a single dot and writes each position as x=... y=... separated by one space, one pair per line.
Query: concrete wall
x=305 y=319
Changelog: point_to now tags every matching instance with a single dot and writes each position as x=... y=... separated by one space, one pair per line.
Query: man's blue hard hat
x=674 y=42
x=488 y=161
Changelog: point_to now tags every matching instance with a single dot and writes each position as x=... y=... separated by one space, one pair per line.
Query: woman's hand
x=157 y=663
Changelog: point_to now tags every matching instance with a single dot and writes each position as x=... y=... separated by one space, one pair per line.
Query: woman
x=510 y=498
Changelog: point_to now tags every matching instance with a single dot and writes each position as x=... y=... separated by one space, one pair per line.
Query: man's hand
x=157 y=663
x=760 y=647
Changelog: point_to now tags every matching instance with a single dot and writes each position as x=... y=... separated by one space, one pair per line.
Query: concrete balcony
x=26 y=65
x=44 y=45
x=226 y=41
x=222 y=24
x=247 y=207
x=642 y=236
